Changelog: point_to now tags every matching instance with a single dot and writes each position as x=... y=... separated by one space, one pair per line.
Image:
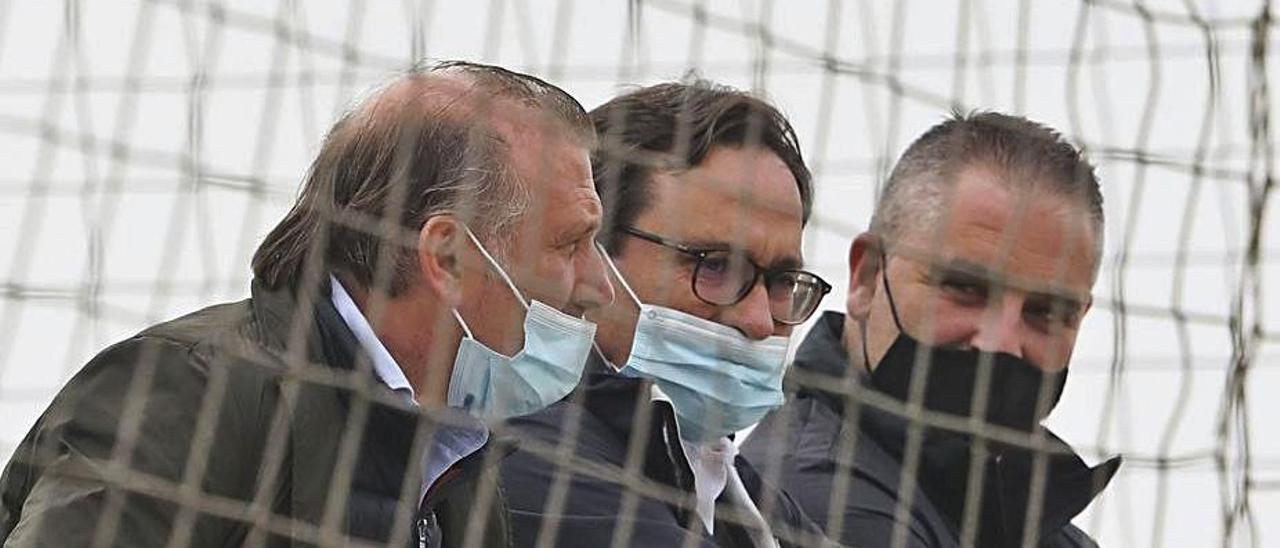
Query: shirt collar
x=458 y=433
x=384 y=366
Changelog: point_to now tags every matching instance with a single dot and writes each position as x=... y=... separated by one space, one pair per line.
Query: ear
x=440 y=244
x=864 y=268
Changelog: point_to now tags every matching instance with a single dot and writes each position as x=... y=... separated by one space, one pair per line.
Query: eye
x=964 y=289
x=1052 y=315
x=571 y=248
x=783 y=284
x=715 y=264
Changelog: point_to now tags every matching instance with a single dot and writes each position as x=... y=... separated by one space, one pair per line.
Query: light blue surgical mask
x=718 y=380
x=492 y=386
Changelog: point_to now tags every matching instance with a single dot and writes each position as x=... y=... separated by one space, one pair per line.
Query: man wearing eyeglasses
x=917 y=417
x=705 y=195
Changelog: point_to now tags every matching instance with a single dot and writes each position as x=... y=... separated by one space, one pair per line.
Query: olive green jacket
x=257 y=422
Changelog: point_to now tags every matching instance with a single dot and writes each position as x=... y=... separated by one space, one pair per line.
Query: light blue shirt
x=457 y=435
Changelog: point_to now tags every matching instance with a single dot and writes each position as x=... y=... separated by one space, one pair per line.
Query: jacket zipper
x=422 y=533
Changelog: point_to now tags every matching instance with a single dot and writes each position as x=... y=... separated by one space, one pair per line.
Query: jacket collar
x=821 y=357
x=309 y=317
x=1070 y=484
x=609 y=396
x=613 y=398
x=287 y=316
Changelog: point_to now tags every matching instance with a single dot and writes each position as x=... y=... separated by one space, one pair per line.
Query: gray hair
x=423 y=145
x=1028 y=153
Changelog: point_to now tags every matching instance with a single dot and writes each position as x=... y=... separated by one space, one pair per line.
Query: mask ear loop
x=617 y=275
x=501 y=273
x=465 y=329
x=494 y=263
x=893 y=309
x=884 y=278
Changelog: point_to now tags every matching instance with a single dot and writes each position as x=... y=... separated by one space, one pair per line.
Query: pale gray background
x=148 y=146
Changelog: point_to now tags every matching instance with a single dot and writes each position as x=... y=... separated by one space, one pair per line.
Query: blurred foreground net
x=149 y=145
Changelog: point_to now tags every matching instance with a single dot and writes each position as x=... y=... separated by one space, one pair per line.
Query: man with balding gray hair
x=916 y=418
x=431 y=277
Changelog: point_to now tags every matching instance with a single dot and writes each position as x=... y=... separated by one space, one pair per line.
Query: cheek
x=880 y=331
x=494 y=316
x=559 y=281
x=1052 y=351
x=549 y=279
x=671 y=286
x=955 y=324
x=661 y=283
x=672 y=278
x=680 y=296
x=935 y=320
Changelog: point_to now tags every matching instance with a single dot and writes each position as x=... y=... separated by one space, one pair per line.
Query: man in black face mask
x=916 y=420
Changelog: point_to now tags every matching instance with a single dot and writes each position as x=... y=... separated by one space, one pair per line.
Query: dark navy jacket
x=816 y=446
x=600 y=419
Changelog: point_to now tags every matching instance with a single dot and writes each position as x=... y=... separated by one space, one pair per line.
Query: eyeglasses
x=723 y=278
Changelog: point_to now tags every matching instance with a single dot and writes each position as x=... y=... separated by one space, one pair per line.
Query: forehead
x=542 y=150
x=554 y=168
x=741 y=196
x=1032 y=237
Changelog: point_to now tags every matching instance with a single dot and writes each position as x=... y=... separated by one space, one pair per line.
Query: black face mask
x=951 y=376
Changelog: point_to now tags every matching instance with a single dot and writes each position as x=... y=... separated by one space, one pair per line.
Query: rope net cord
x=151 y=144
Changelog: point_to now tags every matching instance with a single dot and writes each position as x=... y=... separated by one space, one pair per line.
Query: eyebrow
x=786 y=262
x=578 y=229
x=965 y=267
x=702 y=244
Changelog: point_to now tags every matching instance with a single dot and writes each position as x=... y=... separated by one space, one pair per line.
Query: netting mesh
x=150 y=145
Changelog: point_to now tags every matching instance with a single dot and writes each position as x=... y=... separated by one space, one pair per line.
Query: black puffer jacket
x=804 y=444
x=169 y=434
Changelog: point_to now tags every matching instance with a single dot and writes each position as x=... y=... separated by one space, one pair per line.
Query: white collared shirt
x=713 y=472
x=711 y=463
x=458 y=433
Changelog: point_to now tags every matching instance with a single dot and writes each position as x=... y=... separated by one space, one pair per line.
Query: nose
x=1000 y=329
x=751 y=315
x=591 y=287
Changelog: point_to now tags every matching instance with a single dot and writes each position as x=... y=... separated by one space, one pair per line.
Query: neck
x=854 y=338
x=422 y=338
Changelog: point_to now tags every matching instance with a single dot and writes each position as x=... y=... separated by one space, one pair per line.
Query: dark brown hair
x=674 y=126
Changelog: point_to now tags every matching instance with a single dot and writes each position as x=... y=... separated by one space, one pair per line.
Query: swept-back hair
x=675 y=126
x=422 y=145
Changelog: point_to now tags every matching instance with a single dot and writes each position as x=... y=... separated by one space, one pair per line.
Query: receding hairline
x=1021 y=152
x=428 y=140
x=927 y=201
x=458 y=96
